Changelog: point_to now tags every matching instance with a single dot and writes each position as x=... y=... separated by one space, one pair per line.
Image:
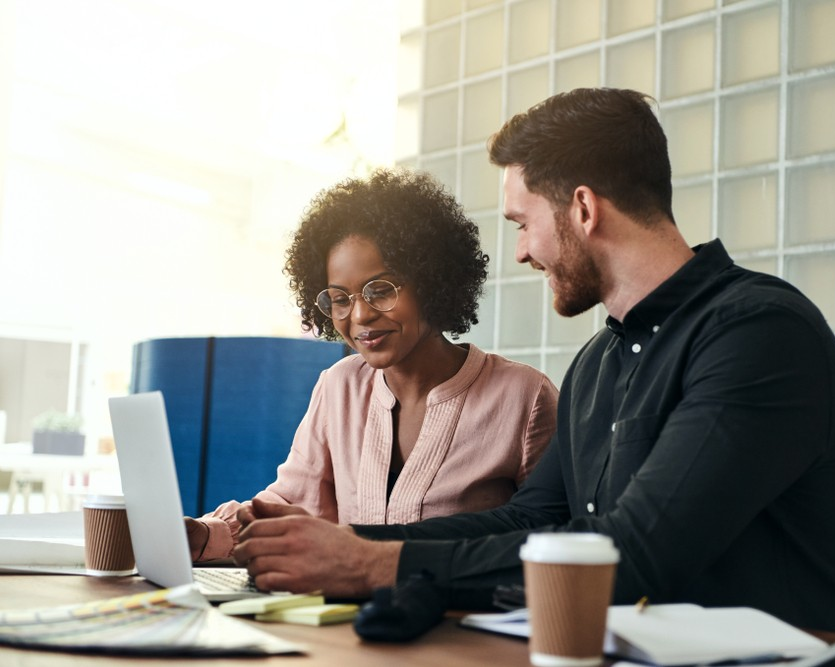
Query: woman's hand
x=246 y=514
x=198 y=536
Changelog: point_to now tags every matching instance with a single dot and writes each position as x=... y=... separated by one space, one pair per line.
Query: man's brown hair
x=604 y=138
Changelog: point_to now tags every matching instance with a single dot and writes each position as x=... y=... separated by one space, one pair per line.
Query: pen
x=642 y=604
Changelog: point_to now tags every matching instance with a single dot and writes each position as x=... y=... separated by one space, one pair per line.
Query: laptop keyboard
x=223 y=579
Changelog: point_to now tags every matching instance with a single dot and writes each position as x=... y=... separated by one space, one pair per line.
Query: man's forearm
x=469 y=570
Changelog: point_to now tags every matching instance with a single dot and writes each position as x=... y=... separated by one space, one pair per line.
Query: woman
x=413 y=425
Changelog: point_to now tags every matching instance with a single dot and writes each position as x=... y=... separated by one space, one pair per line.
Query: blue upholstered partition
x=233 y=406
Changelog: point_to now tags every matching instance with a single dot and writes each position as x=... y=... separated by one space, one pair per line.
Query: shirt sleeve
x=223 y=528
x=540 y=428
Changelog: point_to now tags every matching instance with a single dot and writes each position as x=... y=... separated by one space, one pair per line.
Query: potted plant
x=57 y=433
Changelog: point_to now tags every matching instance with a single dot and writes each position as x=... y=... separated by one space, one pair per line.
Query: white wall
x=746 y=92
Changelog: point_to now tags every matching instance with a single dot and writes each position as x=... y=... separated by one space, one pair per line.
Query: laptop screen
x=149 y=484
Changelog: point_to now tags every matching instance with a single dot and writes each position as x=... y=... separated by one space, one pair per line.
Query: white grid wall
x=746 y=93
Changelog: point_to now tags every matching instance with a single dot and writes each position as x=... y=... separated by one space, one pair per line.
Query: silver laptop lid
x=149 y=484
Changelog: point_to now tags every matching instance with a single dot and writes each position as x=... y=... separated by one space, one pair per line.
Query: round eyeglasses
x=337 y=304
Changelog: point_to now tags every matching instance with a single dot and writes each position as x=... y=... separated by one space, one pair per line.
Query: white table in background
x=64 y=478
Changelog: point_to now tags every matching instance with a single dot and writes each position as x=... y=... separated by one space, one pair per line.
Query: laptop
x=154 y=506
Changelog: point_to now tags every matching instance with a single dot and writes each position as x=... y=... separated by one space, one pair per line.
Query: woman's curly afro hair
x=422 y=233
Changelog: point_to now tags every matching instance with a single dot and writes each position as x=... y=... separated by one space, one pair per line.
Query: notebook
x=154 y=507
x=675 y=635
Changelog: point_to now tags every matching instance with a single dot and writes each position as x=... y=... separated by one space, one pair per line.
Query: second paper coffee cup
x=107 y=547
x=569 y=579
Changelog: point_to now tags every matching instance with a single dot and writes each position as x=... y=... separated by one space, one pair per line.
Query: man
x=697 y=429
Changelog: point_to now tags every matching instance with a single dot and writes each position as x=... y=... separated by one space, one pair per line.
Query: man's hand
x=198 y=537
x=286 y=549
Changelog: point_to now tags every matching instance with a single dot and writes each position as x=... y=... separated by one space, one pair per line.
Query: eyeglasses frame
x=352 y=299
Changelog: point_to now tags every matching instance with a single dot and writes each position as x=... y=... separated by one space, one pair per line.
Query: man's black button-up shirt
x=699 y=433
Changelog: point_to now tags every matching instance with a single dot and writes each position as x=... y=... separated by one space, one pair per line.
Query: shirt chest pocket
x=632 y=441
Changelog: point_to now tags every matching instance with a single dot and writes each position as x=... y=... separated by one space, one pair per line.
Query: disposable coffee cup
x=568 y=586
x=107 y=547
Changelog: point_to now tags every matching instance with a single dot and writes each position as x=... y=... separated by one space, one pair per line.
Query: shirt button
x=614 y=424
x=590 y=508
x=636 y=348
x=655 y=329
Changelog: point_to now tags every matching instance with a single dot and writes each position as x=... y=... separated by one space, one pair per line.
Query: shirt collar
x=459 y=382
x=651 y=312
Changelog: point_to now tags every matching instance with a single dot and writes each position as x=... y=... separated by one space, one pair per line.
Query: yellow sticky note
x=269 y=603
x=321 y=614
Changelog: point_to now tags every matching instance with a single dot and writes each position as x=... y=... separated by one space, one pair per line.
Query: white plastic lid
x=578 y=548
x=105 y=502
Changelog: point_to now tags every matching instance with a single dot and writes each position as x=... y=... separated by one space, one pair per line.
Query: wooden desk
x=334 y=645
